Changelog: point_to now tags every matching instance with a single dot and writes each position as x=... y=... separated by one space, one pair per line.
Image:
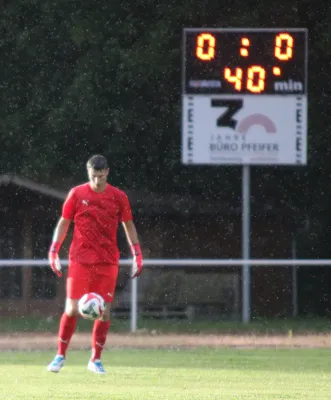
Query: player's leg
x=67 y=327
x=104 y=284
x=76 y=286
x=99 y=337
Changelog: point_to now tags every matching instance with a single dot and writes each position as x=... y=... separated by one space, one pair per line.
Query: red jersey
x=96 y=217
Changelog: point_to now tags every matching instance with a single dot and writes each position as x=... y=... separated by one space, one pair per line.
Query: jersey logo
x=85 y=202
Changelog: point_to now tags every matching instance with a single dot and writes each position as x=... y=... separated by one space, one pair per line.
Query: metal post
x=134 y=300
x=246 y=300
x=294 y=280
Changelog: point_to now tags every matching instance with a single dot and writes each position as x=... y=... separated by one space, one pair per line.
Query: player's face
x=98 y=179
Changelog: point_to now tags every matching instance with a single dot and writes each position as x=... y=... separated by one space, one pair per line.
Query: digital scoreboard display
x=245 y=61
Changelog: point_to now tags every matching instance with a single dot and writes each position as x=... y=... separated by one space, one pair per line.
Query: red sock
x=66 y=330
x=99 y=336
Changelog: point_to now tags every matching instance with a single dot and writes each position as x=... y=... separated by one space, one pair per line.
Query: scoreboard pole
x=246 y=269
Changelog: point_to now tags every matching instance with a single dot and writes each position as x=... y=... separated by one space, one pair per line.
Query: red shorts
x=85 y=278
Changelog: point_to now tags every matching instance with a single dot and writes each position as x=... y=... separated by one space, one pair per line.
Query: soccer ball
x=91 y=306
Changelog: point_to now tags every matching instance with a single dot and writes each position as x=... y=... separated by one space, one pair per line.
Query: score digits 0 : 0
x=256 y=74
x=248 y=65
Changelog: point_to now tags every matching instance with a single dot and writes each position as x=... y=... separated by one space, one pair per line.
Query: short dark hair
x=97 y=162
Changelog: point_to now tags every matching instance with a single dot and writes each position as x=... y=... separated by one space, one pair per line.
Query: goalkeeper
x=96 y=208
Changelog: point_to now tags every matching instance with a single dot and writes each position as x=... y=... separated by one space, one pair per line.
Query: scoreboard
x=244 y=96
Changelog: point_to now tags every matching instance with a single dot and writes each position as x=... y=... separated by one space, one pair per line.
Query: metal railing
x=191 y=263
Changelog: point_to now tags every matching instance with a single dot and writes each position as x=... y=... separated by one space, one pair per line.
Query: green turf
x=203 y=374
x=262 y=326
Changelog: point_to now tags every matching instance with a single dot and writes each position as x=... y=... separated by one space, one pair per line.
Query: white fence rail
x=185 y=263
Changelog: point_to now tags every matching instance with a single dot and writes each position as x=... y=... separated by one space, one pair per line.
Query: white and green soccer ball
x=91 y=306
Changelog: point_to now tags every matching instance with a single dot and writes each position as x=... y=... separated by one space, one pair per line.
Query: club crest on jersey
x=85 y=202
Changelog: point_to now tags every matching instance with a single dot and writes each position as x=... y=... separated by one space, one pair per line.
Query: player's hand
x=137 y=265
x=54 y=260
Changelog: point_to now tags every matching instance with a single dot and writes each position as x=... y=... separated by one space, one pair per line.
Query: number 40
x=255 y=81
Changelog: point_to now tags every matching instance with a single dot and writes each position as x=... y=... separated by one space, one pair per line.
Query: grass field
x=200 y=374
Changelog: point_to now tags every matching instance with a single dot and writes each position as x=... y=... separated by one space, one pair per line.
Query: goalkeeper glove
x=53 y=258
x=137 y=265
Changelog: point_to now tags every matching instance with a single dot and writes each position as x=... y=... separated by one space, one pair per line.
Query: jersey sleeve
x=69 y=206
x=126 y=213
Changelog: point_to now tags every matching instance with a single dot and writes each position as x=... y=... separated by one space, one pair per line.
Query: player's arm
x=131 y=235
x=132 y=238
x=60 y=232
x=130 y=232
x=59 y=235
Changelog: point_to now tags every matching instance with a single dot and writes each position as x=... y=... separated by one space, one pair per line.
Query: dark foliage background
x=79 y=78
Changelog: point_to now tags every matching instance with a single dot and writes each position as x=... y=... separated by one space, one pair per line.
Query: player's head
x=97 y=170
